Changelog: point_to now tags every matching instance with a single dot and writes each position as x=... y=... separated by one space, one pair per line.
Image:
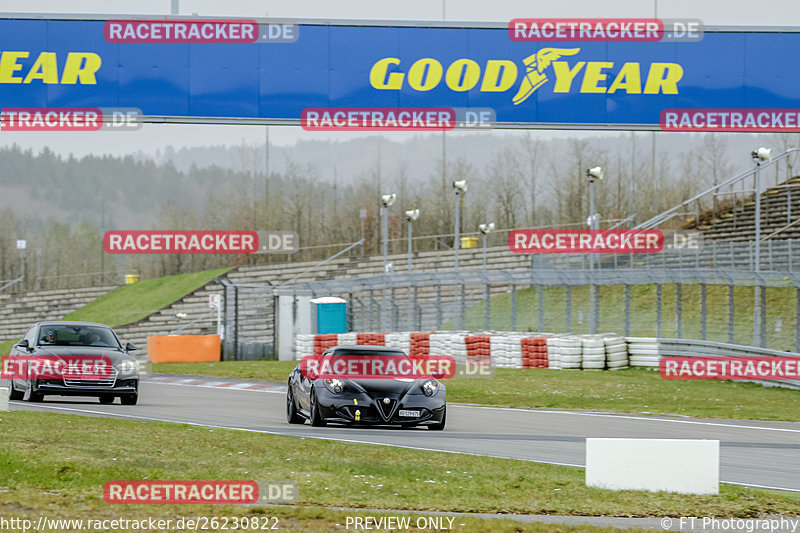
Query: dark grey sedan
x=72 y=359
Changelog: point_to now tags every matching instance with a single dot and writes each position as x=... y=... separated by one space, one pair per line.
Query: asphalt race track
x=753 y=453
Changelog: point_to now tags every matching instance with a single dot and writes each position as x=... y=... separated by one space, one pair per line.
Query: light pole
x=485 y=229
x=386 y=202
x=593 y=174
x=411 y=216
x=460 y=188
x=759 y=156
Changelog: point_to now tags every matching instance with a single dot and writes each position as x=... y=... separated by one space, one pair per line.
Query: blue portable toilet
x=328 y=315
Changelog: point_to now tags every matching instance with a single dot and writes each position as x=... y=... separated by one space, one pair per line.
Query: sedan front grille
x=109 y=381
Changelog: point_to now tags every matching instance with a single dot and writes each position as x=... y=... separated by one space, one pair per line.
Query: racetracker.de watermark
x=83 y=367
x=378 y=118
x=730 y=120
x=525 y=241
x=605 y=30
x=200 y=492
x=70 y=119
x=729 y=368
x=368 y=366
x=198 y=31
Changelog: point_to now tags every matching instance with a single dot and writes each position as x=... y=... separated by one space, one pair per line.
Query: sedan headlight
x=430 y=387
x=128 y=368
x=335 y=385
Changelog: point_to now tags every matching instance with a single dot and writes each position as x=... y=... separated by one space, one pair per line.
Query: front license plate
x=409 y=414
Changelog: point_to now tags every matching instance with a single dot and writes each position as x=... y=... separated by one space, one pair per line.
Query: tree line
x=62 y=206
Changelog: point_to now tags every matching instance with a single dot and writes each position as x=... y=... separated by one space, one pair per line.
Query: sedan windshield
x=56 y=335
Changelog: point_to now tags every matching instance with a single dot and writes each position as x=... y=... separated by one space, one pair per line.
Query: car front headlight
x=430 y=387
x=128 y=368
x=335 y=385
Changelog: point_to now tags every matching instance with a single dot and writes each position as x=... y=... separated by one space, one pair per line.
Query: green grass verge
x=57 y=464
x=632 y=390
x=130 y=303
x=781 y=304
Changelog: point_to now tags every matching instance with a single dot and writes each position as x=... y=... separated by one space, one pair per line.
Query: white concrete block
x=684 y=466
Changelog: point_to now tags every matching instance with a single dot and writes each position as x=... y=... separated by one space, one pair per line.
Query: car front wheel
x=14 y=394
x=31 y=395
x=292 y=416
x=130 y=399
x=440 y=425
x=316 y=417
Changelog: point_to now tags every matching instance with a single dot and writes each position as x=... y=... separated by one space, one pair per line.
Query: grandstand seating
x=780 y=205
x=18 y=312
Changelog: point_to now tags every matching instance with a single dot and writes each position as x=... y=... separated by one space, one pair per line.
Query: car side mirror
x=130 y=347
x=24 y=344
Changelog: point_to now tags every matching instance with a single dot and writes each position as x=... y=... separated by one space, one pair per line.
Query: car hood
x=384 y=387
x=115 y=356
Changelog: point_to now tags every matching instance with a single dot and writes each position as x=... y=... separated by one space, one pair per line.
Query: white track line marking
x=630 y=417
x=352 y=441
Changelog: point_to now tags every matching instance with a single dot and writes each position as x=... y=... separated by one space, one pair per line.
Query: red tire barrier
x=419 y=344
x=478 y=345
x=534 y=352
x=323 y=342
x=374 y=339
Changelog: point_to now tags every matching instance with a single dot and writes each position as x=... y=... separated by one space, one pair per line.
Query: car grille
x=104 y=382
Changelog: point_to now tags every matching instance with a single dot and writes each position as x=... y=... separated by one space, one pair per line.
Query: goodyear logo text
x=541 y=67
x=78 y=68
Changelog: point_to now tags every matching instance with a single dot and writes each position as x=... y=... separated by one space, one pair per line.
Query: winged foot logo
x=501 y=75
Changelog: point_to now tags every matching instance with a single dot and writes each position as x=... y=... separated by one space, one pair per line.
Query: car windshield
x=57 y=335
x=374 y=353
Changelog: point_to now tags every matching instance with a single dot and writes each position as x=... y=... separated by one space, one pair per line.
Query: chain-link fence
x=713 y=304
x=248 y=317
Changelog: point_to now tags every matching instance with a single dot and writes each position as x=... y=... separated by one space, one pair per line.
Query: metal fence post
x=569 y=308
x=703 y=311
x=797 y=321
x=372 y=310
x=627 y=310
x=463 y=306
x=487 y=293
x=540 y=294
x=678 y=309
x=763 y=320
x=658 y=310
x=731 y=309
x=438 y=307
x=513 y=307
x=395 y=309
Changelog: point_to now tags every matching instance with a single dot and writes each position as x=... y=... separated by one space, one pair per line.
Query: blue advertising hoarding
x=72 y=63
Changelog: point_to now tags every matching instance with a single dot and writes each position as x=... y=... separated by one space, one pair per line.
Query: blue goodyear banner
x=71 y=63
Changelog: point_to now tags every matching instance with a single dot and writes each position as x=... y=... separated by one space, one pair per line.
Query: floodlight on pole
x=460 y=187
x=386 y=201
x=759 y=156
x=593 y=174
x=411 y=216
x=485 y=229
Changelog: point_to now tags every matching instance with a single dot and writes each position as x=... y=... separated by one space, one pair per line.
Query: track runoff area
x=559 y=64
